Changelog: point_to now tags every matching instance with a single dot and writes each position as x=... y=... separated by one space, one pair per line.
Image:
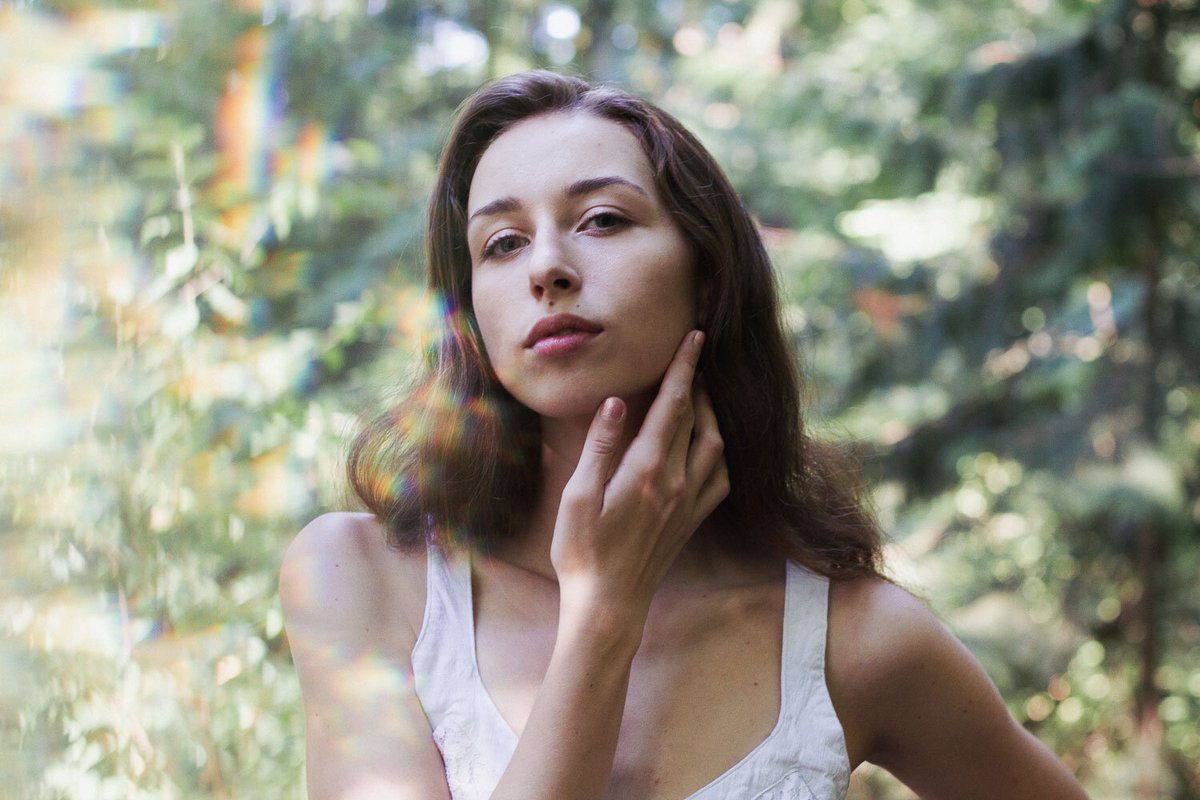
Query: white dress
x=803 y=758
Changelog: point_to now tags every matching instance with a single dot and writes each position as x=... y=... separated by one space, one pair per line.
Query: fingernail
x=698 y=338
x=613 y=409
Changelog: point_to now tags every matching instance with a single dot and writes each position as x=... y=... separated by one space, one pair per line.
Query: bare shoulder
x=339 y=574
x=885 y=650
x=875 y=605
x=876 y=627
x=877 y=631
x=352 y=607
x=913 y=699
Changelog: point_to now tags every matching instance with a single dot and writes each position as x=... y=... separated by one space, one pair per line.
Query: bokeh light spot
x=561 y=22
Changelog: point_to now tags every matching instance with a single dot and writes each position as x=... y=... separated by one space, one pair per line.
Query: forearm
x=622 y=519
x=566 y=749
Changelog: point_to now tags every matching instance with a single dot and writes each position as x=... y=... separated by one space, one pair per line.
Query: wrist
x=594 y=622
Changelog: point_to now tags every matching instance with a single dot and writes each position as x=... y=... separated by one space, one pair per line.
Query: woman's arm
x=917 y=703
x=367 y=736
x=622 y=521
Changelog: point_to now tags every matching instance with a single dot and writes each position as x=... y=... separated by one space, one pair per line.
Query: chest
x=704 y=688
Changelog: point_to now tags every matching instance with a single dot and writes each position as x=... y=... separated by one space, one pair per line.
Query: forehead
x=551 y=151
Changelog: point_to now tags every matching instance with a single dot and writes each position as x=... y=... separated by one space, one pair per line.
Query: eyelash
x=620 y=220
x=492 y=247
x=494 y=244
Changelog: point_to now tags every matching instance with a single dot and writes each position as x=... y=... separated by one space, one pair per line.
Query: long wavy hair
x=461 y=457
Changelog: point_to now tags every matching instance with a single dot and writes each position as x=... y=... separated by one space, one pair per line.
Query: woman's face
x=582 y=283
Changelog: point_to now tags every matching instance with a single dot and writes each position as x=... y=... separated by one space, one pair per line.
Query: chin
x=579 y=392
x=585 y=404
x=572 y=407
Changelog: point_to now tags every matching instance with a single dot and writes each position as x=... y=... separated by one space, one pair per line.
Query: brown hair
x=461 y=455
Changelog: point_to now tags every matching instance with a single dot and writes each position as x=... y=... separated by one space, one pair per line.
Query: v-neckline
x=785 y=642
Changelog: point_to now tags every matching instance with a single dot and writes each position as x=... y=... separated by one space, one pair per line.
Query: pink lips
x=560 y=334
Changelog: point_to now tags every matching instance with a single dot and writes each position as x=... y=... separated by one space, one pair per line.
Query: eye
x=604 y=221
x=503 y=244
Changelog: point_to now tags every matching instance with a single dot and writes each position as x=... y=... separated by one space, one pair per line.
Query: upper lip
x=556 y=324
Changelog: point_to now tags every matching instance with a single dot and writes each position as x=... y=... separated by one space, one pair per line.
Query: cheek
x=678 y=271
x=486 y=315
x=677 y=287
x=493 y=349
x=494 y=334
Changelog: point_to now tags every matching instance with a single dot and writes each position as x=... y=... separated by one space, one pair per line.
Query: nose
x=551 y=275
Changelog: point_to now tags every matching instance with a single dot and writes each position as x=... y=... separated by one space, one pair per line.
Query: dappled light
x=984 y=220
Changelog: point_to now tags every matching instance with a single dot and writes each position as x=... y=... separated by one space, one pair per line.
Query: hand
x=616 y=537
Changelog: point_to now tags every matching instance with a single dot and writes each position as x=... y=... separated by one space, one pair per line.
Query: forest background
x=984 y=217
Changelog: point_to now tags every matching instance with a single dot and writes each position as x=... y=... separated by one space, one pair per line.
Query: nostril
x=562 y=283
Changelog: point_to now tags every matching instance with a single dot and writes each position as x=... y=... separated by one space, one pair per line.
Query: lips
x=560 y=325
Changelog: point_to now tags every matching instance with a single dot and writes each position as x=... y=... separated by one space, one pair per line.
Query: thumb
x=600 y=448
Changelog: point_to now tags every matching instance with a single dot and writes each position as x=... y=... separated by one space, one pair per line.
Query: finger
x=716 y=488
x=706 y=446
x=672 y=405
x=706 y=462
x=599 y=454
x=678 y=453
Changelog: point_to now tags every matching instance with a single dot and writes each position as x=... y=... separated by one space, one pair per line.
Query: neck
x=563 y=441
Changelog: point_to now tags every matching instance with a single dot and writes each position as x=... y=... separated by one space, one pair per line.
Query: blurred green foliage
x=985 y=220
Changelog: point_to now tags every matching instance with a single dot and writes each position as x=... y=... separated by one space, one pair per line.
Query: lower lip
x=561 y=345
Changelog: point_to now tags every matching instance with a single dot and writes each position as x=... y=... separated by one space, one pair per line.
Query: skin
x=576 y=229
x=607 y=633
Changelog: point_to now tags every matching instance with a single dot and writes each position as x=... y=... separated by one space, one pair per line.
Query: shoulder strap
x=805 y=623
x=448 y=630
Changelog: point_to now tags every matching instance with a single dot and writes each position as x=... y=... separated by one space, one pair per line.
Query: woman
x=605 y=559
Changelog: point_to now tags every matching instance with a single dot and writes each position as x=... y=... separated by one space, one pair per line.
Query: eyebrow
x=579 y=188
